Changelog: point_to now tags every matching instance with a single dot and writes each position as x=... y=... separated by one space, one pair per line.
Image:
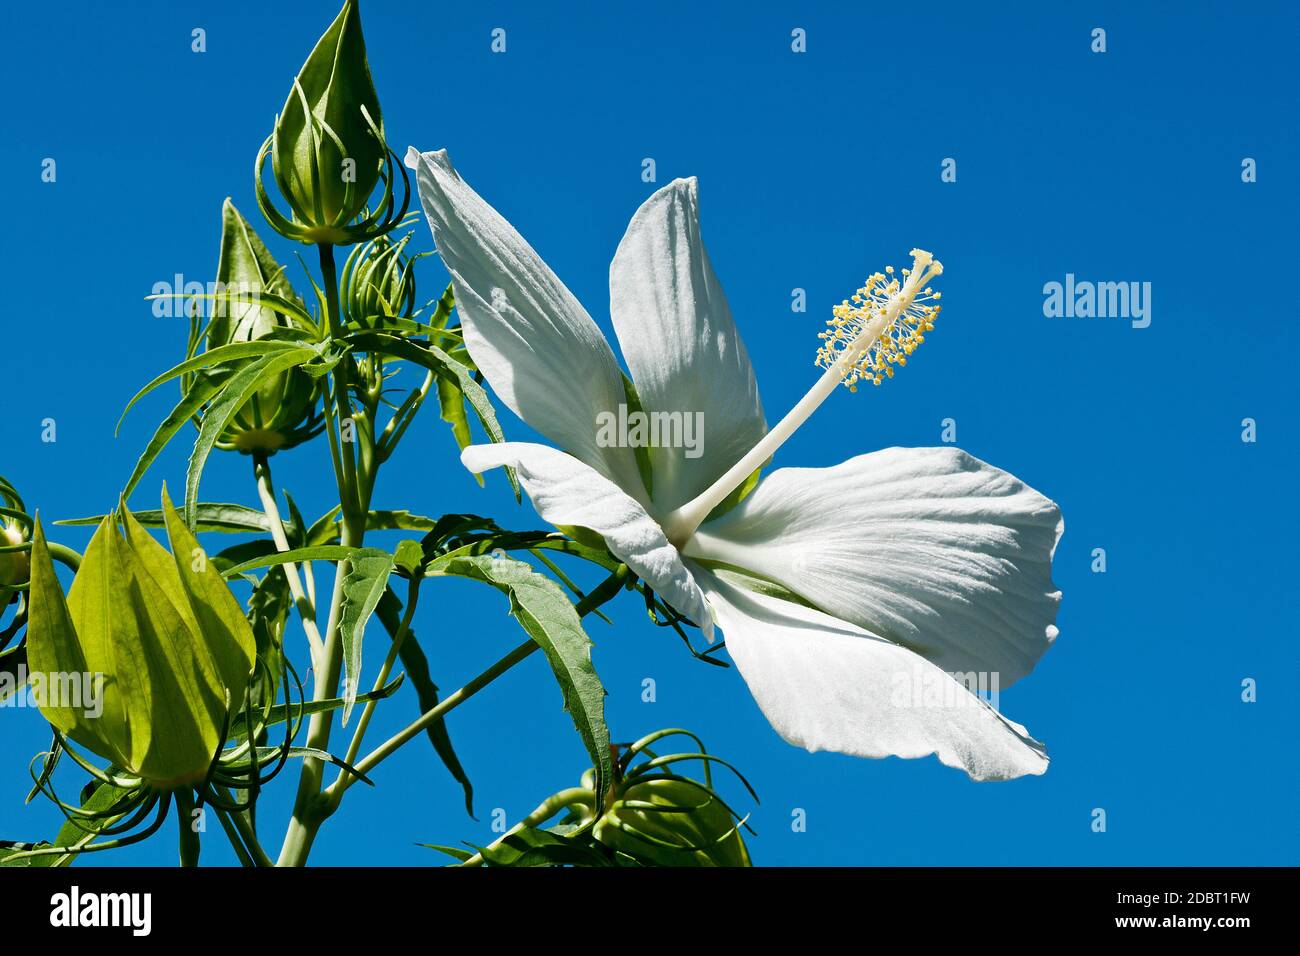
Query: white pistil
x=871 y=322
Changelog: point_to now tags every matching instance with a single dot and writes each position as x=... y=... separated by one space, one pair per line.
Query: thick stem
x=306 y=609
x=360 y=468
x=185 y=820
x=311 y=808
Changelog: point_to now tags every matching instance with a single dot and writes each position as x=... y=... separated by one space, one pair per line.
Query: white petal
x=567 y=493
x=533 y=341
x=927 y=547
x=827 y=685
x=681 y=345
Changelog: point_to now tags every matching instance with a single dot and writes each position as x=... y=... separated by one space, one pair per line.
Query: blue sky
x=815 y=169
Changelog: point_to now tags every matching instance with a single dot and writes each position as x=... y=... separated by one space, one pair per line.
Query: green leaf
x=233 y=352
x=451 y=409
x=547 y=616
x=364 y=584
x=200 y=392
x=53 y=645
x=315 y=552
x=100 y=801
x=268 y=611
x=408 y=556
x=227 y=558
x=220 y=517
x=234 y=393
x=442 y=311
x=454 y=852
x=398 y=521
x=416 y=666
x=530 y=847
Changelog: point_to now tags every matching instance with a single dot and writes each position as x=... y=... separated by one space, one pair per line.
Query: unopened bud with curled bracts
x=155 y=662
x=653 y=815
x=15 y=542
x=328 y=151
x=378 y=283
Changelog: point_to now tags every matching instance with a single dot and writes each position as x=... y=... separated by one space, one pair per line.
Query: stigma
x=874 y=331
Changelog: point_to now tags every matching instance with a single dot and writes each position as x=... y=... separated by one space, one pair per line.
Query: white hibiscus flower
x=915 y=568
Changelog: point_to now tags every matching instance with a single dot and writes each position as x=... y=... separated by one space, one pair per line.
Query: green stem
x=573 y=796
x=189 y=837
x=339 y=381
x=64 y=555
x=244 y=825
x=311 y=807
x=306 y=610
x=236 y=841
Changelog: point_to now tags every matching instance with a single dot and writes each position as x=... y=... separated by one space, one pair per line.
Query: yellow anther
x=882 y=323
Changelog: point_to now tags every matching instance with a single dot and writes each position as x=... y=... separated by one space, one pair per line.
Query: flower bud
x=671 y=822
x=15 y=526
x=328 y=150
x=658 y=816
x=283 y=411
x=378 y=282
x=156 y=643
x=14 y=564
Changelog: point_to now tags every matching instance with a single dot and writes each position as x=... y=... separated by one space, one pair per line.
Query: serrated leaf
x=549 y=618
x=209 y=516
x=416 y=666
x=315 y=552
x=363 y=585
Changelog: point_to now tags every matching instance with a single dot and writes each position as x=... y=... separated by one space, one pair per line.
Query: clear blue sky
x=815 y=169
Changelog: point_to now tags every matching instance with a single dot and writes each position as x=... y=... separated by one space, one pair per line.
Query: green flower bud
x=378 y=282
x=283 y=411
x=159 y=639
x=670 y=822
x=14 y=564
x=328 y=150
x=15 y=527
